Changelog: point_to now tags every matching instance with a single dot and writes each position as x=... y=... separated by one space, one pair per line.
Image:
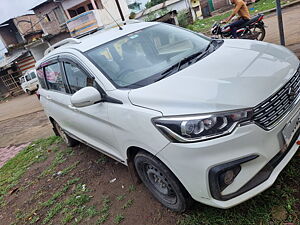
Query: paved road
x=291 y=21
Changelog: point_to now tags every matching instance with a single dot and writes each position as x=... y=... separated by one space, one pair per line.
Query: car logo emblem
x=291 y=93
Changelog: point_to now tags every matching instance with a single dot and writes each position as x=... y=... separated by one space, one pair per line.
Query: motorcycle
x=254 y=29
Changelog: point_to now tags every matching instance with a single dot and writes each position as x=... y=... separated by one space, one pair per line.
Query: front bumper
x=192 y=163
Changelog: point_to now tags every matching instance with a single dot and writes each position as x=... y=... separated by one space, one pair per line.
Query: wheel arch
x=52 y=121
x=131 y=153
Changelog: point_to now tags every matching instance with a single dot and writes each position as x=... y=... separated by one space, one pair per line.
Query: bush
x=183 y=18
x=132 y=15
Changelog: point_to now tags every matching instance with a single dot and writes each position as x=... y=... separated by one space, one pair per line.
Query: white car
x=29 y=81
x=195 y=118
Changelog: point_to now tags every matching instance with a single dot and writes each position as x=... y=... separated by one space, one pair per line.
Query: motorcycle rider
x=244 y=16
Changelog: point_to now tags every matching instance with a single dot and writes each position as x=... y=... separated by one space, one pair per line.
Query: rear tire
x=161 y=182
x=71 y=142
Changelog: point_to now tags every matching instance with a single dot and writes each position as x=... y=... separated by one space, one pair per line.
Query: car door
x=91 y=123
x=56 y=97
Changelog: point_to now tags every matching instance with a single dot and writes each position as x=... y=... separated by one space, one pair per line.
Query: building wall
x=109 y=5
x=182 y=5
x=8 y=36
x=59 y=37
x=38 y=51
x=27 y=27
x=3 y=88
x=48 y=19
x=218 y=4
x=67 y=4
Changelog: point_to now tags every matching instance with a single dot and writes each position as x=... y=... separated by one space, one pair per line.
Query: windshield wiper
x=190 y=59
x=213 y=44
x=168 y=72
x=176 y=67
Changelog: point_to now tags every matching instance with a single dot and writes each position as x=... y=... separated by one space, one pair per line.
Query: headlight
x=201 y=127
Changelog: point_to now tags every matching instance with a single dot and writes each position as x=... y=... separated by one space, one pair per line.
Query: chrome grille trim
x=268 y=113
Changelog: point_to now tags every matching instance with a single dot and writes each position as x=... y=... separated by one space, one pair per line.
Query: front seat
x=132 y=58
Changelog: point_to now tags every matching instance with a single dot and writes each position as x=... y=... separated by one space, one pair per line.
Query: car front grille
x=267 y=113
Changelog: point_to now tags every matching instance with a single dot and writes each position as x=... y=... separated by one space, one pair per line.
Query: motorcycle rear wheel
x=259 y=31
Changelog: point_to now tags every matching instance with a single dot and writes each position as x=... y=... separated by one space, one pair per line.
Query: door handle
x=73 y=108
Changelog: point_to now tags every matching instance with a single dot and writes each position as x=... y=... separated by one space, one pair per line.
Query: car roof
x=101 y=37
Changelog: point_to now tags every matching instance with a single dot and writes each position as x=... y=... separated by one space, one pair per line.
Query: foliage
x=13 y=170
x=151 y=3
x=156 y=14
x=183 y=18
x=132 y=15
x=118 y=219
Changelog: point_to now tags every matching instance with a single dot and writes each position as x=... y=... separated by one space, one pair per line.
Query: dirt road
x=19 y=106
x=22 y=120
x=24 y=129
x=291 y=18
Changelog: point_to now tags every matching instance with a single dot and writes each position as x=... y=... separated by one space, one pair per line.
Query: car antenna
x=120 y=28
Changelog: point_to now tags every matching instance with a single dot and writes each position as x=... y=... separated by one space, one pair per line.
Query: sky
x=13 y=8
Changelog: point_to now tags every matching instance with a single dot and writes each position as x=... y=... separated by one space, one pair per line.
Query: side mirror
x=85 y=97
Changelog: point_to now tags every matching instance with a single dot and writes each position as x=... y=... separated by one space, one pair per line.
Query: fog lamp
x=227 y=177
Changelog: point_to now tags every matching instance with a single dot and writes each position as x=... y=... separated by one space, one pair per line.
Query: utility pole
x=120 y=10
x=280 y=23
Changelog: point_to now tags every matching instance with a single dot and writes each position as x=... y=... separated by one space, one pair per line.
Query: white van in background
x=29 y=81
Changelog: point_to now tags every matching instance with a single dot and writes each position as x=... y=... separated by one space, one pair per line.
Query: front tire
x=28 y=92
x=161 y=182
x=67 y=139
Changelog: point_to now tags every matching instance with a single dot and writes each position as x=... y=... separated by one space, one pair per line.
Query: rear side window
x=41 y=78
x=77 y=78
x=54 y=77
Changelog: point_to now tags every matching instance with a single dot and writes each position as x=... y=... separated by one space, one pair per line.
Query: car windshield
x=139 y=58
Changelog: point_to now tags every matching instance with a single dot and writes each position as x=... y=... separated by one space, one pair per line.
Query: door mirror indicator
x=85 y=97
